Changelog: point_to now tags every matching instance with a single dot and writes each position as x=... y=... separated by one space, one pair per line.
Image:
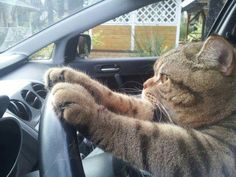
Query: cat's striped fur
x=194 y=85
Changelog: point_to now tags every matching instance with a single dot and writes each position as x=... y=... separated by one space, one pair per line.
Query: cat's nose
x=148 y=83
x=145 y=85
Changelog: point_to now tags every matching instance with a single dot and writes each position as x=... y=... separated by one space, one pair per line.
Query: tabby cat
x=194 y=86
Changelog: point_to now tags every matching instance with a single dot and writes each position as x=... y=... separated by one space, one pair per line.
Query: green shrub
x=153 y=45
x=196 y=32
x=97 y=39
x=43 y=54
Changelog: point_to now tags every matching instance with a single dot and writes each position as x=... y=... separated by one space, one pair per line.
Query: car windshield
x=20 y=19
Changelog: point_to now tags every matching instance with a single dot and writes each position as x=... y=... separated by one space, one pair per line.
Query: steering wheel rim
x=59 y=152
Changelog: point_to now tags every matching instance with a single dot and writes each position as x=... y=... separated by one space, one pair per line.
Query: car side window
x=44 y=53
x=148 y=31
x=154 y=29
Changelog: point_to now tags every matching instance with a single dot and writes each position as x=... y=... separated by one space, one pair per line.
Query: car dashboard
x=27 y=95
x=26 y=100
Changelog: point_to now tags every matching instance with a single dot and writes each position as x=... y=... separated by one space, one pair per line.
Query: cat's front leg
x=116 y=102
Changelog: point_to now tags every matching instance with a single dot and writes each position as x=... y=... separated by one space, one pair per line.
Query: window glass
x=43 y=54
x=21 y=19
x=154 y=29
x=146 y=32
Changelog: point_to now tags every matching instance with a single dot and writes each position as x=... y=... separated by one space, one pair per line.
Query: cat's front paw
x=53 y=76
x=73 y=103
x=64 y=74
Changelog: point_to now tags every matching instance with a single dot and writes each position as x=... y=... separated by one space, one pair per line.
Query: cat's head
x=195 y=84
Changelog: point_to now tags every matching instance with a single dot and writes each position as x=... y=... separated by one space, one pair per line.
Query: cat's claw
x=73 y=103
x=53 y=76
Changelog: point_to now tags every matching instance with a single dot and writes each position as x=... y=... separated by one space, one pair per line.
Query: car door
x=124 y=75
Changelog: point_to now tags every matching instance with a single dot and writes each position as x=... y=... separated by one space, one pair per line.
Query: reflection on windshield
x=20 y=19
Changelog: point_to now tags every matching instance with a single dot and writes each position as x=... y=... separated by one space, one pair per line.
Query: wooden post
x=132 y=39
x=178 y=21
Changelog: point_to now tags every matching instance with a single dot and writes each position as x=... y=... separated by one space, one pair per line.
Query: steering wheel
x=59 y=152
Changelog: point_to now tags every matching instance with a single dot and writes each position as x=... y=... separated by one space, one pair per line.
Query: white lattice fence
x=161 y=13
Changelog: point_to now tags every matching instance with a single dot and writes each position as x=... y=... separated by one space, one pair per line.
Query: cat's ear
x=218 y=49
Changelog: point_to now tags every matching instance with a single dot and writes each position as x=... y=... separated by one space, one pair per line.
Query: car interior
x=33 y=141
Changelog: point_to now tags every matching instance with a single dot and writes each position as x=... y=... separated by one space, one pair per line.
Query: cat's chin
x=143 y=95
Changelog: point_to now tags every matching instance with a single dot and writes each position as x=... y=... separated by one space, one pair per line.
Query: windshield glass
x=20 y=19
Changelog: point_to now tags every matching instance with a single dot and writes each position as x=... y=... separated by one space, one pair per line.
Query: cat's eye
x=163 y=78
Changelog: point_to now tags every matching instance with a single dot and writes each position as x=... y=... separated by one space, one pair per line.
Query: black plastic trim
x=221 y=17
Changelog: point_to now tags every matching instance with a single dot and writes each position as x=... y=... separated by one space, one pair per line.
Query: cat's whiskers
x=131 y=90
x=160 y=112
x=161 y=108
x=165 y=112
x=135 y=83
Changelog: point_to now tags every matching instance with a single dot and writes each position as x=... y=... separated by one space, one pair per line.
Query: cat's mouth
x=151 y=98
x=156 y=103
